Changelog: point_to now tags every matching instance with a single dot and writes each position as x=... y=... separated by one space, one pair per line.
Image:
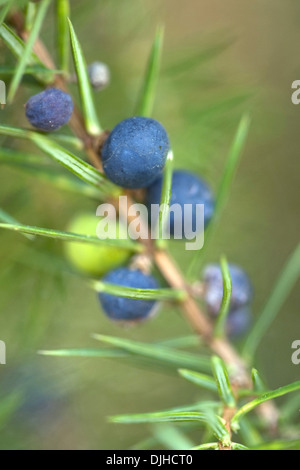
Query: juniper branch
x=195 y=316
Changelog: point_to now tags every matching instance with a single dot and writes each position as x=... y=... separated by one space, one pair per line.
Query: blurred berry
x=41 y=399
x=187 y=188
x=242 y=291
x=238 y=322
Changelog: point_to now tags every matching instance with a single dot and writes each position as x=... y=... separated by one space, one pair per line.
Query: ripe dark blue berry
x=238 y=321
x=49 y=110
x=124 y=309
x=187 y=188
x=135 y=152
x=242 y=291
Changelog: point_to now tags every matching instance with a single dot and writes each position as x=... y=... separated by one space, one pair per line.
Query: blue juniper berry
x=188 y=191
x=49 y=110
x=242 y=291
x=124 y=309
x=135 y=152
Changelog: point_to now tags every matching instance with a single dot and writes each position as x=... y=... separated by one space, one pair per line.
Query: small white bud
x=99 y=75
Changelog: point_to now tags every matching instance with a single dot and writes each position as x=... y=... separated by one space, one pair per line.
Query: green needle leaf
x=261 y=399
x=208 y=446
x=183 y=341
x=184 y=61
x=30 y=12
x=233 y=159
x=159 y=417
x=7 y=218
x=216 y=424
x=213 y=421
x=112 y=353
x=72 y=237
x=89 y=112
x=220 y=328
x=54 y=176
x=21 y=133
x=258 y=384
x=249 y=433
x=40 y=16
x=204 y=381
x=280 y=292
x=161 y=353
x=222 y=381
x=144 y=294
x=63 y=38
x=29 y=70
x=237 y=446
x=18 y=158
x=35 y=67
x=76 y=165
x=171 y=437
x=278 y=445
x=147 y=95
x=289 y=411
x=18 y=133
x=71 y=140
x=105 y=352
x=8 y=406
x=165 y=200
x=80 y=168
x=16 y=45
x=202 y=406
x=5 y=10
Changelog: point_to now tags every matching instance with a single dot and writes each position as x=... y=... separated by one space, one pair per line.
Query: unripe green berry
x=94 y=259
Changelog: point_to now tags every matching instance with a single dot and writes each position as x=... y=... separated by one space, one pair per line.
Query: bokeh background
x=220 y=59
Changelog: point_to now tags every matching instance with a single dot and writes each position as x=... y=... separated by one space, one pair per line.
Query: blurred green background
x=220 y=59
